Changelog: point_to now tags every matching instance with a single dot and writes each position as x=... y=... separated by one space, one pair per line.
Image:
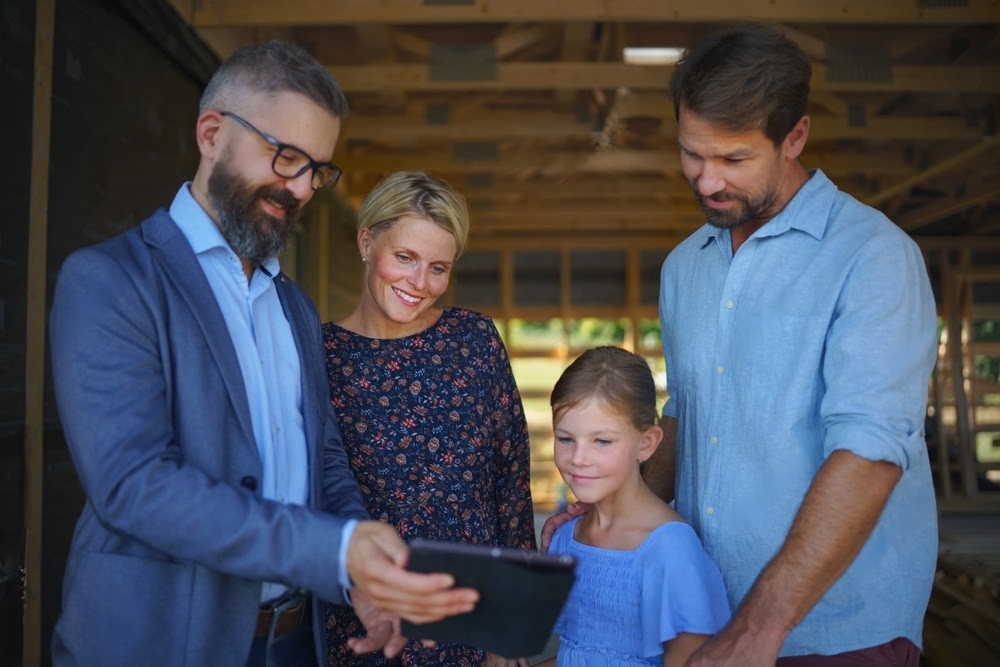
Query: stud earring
x=364 y=260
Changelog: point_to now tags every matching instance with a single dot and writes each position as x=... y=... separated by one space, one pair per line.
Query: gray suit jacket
x=175 y=539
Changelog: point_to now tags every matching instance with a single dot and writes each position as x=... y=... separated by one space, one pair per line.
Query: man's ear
x=207 y=133
x=650 y=441
x=795 y=142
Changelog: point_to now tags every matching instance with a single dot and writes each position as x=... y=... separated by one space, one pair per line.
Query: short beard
x=254 y=235
x=749 y=209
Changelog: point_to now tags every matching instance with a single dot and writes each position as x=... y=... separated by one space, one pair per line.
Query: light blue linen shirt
x=818 y=335
x=268 y=358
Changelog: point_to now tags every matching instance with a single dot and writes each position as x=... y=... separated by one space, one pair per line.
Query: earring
x=364 y=260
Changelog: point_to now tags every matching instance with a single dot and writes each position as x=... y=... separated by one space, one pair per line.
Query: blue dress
x=436 y=436
x=625 y=604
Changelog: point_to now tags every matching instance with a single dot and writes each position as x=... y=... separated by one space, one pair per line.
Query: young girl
x=646 y=592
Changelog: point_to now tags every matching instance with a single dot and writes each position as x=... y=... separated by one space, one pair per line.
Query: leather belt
x=288 y=619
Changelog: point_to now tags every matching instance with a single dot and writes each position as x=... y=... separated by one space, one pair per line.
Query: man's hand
x=737 y=646
x=381 y=628
x=556 y=520
x=376 y=558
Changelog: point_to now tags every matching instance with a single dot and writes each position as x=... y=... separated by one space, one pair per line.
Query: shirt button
x=729 y=304
x=710 y=510
x=713 y=440
x=720 y=370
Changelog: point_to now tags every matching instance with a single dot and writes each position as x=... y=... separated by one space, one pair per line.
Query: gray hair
x=273 y=67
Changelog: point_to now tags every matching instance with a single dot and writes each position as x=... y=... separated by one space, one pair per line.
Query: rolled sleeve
x=879 y=356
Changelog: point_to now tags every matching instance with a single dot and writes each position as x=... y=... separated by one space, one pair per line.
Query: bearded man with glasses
x=190 y=380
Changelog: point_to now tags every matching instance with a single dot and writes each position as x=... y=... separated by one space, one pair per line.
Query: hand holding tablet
x=521 y=595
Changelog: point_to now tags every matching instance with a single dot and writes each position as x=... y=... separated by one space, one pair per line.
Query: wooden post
x=323 y=262
x=937 y=379
x=953 y=289
x=34 y=362
x=633 y=294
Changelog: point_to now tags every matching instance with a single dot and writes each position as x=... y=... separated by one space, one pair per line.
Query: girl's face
x=598 y=451
x=408 y=267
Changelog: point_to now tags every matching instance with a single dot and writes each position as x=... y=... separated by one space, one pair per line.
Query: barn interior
x=552 y=118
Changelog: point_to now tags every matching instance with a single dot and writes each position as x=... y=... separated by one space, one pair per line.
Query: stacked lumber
x=962 y=625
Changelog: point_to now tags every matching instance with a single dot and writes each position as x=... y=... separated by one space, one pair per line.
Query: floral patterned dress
x=435 y=434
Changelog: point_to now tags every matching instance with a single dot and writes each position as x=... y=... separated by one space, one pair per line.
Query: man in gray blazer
x=191 y=386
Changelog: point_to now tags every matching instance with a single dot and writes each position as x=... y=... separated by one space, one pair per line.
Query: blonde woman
x=430 y=415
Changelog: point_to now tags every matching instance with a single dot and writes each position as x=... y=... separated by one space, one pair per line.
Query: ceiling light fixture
x=652 y=55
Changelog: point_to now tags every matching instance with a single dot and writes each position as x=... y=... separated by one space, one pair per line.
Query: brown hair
x=620 y=379
x=420 y=195
x=746 y=77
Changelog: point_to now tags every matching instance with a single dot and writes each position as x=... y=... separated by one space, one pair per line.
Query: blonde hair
x=420 y=195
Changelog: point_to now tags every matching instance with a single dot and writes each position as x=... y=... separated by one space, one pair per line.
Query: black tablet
x=520 y=595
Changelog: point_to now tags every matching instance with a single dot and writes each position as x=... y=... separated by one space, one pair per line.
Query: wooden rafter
x=327 y=12
x=587 y=75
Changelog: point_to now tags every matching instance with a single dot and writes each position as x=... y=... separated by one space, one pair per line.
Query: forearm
x=836 y=518
x=659 y=471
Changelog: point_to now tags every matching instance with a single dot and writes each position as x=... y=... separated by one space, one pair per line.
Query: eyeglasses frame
x=280 y=146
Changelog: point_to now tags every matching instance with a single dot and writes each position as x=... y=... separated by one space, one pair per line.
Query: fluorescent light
x=652 y=55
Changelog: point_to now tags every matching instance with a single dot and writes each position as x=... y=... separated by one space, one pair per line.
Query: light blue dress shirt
x=818 y=335
x=268 y=358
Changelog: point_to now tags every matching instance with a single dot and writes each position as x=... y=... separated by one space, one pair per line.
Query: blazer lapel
x=173 y=251
x=305 y=331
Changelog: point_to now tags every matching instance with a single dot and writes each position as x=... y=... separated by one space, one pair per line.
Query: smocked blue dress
x=625 y=604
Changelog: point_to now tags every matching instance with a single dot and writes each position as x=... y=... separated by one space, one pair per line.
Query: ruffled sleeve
x=682 y=589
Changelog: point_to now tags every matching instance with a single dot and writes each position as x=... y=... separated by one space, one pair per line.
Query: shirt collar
x=808 y=211
x=201 y=231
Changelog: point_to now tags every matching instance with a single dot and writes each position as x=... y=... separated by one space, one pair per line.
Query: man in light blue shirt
x=799 y=335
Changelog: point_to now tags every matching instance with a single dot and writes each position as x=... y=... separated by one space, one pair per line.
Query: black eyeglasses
x=291 y=162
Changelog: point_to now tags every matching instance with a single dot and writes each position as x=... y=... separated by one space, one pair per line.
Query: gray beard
x=253 y=235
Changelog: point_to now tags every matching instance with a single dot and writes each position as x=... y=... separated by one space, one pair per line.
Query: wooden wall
x=124 y=105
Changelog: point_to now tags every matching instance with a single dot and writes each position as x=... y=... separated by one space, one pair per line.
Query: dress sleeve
x=511 y=452
x=682 y=589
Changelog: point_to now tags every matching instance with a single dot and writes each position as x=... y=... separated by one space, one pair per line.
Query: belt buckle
x=282 y=604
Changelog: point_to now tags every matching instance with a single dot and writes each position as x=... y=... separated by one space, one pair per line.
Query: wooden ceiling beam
x=410 y=43
x=555 y=125
x=686 y=211
x=518 y=38
x=942 y=167
x=617 y=161
x=595 y=240
x=630 y=187
x=624 y=221
x=589 y=75
x=327 y=12
x=575 y=48
x=984 y=193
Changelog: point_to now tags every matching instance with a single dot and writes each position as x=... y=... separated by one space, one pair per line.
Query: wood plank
x=34 y=381
x=617 y=161
x=588 y=75
x=558 y=125
x=945 y=165
x=325 y=12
